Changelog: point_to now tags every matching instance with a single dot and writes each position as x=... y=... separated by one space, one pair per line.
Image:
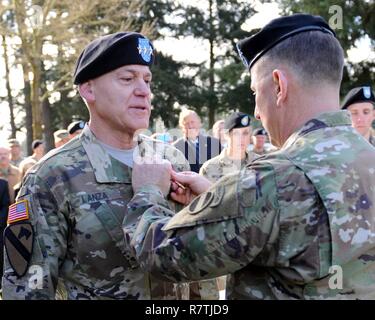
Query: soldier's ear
x=281 y=85
x=86 y=91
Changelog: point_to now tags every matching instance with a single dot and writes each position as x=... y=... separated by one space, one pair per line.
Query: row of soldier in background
x=79 y=220
x=13 y=165
x=243 y=144
x=233 y=145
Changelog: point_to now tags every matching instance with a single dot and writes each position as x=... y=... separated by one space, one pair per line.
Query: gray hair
x=184 y=114
x=314 y=55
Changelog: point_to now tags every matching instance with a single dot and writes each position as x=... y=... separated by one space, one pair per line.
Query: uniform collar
x=106 y=168
x=323 y=120
x=225 y=160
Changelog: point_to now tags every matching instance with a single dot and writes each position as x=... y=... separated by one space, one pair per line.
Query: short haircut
x=184 y=114
x=315 y=56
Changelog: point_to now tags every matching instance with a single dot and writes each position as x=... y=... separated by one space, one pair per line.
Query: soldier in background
x=236 y=155
x=218 y=132
x=360 y=102
x=38 y=152
x=297 y=223
x=8 y=171
x=259 y=138
x=60 y=137
x=75 y=128
x=15 y=152
x=65 y=228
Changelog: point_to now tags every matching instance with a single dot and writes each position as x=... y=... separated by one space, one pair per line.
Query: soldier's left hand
x=152 y=171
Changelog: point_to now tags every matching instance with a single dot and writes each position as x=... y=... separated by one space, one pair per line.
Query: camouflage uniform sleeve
x=49 y=244
x=177 y=159
x=220 y=232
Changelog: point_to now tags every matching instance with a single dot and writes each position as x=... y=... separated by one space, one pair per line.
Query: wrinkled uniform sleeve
x=49 y=246
x=220 y=232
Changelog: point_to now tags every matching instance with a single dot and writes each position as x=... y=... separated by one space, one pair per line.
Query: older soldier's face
x=122 y=98
x=363 y=115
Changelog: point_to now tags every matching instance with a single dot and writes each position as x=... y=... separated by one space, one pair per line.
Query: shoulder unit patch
x=18 y=242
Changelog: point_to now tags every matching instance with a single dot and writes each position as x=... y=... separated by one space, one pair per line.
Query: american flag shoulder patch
x=18 y=211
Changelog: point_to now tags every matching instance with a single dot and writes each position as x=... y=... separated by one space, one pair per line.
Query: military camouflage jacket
x=296 y=224
x=372 y=140
x=222 y=165
x=77 y=198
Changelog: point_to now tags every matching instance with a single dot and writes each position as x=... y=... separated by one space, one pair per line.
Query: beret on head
x=36 y=143
x=110 y=52
x=359 y=94
x=13 y=142
x=259 y=132
x=252 y=48
x=237 y=120
x=76 y=125
x=60 y=134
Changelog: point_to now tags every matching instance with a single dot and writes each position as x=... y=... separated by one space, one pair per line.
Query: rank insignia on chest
x=18 y=211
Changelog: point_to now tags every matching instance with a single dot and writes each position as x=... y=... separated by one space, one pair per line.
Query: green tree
x=221 y=86
x=358 y=23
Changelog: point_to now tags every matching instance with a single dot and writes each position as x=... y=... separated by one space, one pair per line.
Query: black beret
x=76 y=125
x=259 y=132
x=252 y=48
x=111 y=52
x=360 y=94
x=237 y=120
x=36 y=143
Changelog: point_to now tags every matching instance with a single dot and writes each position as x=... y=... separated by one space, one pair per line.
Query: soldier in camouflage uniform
x=65 y=230
x=295 y=224
x=235 y=156
x=259 y=139
x=360 y=102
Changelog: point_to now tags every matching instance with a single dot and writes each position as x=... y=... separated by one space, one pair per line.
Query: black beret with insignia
x=237 y=120
x=76 y=125
x=259 y=132
x=36 y=143
x=359 y=94
x=252 y=48
x=111 y=52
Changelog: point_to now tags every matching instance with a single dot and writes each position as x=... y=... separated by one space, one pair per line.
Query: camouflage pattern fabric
x=222 y=165
x=77 y=197
x=372 y=140
x=213 y=170
x=281 y=227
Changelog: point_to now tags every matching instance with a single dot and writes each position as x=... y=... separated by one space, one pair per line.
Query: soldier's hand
x=194 y=184
x=152 y=171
